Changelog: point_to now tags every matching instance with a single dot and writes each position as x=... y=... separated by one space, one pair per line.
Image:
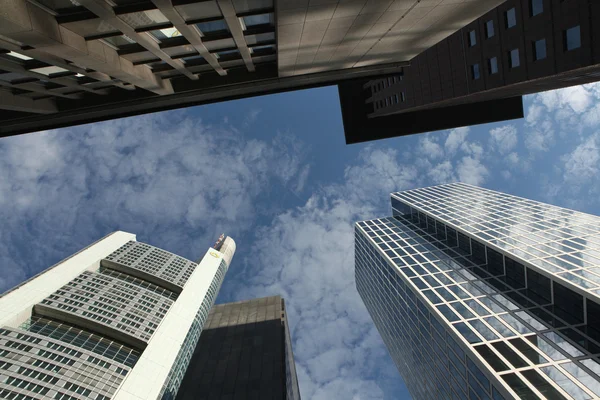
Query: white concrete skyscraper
x=118 y=320
x=483 y=295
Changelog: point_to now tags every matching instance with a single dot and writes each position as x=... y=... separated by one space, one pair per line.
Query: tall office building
x=479 y=73
x=66 y=62
x=118 y=320
x=483 y=295
x=245 y=352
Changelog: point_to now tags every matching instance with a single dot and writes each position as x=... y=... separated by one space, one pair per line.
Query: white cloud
x=513 y=159
x=378 y=174
x=442 y=173
x=430 y=148
x=160 y=176
x=504 y=138
x=455 y=138
x=534 y=113
x=474 y=149
x=592 y=117
x=577 y=98
x=582 y=163
x=540 y=138
x=307 y=255
x=471 y=170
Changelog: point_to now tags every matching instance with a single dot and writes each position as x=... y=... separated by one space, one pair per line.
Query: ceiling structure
x=64 y=62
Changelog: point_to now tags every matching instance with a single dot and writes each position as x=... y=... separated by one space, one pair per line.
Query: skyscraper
x=118 y=320
x=65 y=62
x=484 y=295
x=479 y=73
x=245 y=352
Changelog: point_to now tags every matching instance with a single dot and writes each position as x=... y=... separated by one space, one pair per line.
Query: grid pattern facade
x=46 y=359
x=562 y=242
x=97 y=48
x=527 y=330
x=432 y=363
x=154 y=261
x=184 y=356
x=113 y=299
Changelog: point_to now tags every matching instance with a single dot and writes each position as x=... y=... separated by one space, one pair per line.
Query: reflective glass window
x=546 y=348
x=510 y=18
x=489 y=29
x=213 y=27
x=528 y=351
x=564 y=382
x=467 y=333
x=539 y=284
x=520 y=388
x=513 y=57
x=539 y=49
x=536 y=7
x=491 y=358
x=572 y=38
x=472 y=38
x=510 y=354
x=260 y=19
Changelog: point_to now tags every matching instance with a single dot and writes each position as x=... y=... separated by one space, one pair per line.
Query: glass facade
x=467 y=304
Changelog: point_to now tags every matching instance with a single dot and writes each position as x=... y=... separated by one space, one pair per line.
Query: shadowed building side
x=244 y=352
x=479 y=73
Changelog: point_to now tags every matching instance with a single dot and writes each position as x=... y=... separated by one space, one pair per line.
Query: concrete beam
x=235 y=27
x=10 y=66
x=103 y=10
x=33 y=87
x=192 y=36
x=60 y=62
x=11 y=102
x=30 y=25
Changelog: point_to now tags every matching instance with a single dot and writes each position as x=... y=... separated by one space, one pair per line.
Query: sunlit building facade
x=118 y=320
x=483 y=295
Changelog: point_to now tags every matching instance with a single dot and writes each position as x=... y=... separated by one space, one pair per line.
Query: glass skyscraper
x=483 y=295
x=118 y=320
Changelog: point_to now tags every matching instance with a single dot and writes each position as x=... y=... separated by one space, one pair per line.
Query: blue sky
x=274 y=173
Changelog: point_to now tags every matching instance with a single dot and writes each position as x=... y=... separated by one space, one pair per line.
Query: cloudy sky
x=274 y=173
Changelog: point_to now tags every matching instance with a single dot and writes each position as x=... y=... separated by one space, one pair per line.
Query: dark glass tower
x=244 y=352
x=480 y=295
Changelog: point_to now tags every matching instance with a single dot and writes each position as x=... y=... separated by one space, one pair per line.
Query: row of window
x=390 y=100
x=572 y=40
x=389 y=81
x=510 y=20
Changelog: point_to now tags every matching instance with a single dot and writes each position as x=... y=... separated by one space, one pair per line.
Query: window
x=489 y=29
x=472 y=39
x=493 y=65
x=256 y=20
x=572 y=38
x=162 y=34
x=536 y=7
x=402 y=97
x=475 y=71
x=539 y=49
x=510 y=18
x=213 y=27
x=513 y=57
